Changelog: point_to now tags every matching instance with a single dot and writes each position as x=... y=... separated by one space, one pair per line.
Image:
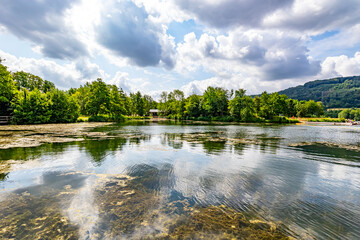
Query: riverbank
x=34 y=135
x=12 y=136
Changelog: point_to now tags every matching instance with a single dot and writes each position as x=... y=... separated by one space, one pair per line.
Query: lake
x=170 y=180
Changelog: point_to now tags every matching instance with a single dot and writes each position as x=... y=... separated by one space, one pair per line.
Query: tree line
x=30 y=99
x=220 y=104
x=342 y=92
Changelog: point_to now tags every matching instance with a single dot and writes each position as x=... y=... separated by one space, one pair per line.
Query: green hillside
x=341 y=92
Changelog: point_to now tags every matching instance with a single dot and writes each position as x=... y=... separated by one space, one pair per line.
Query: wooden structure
x=154 y=113
x=5 y=119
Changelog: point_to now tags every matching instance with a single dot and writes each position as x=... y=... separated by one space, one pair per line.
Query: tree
x=31 y=107
x=163 y=104
x=346 y=113
x=81 y=96
x=192 y=106
x=290 y=109
x=149 y=103
x=242 y=107
x=138 y=104
x=7 y=90
x=266 y=109
x=215 y=101
x=176 y=103
x=63 y=107
x=99 y=98
x=31 y=82
x=278 y=103
x=117 y=107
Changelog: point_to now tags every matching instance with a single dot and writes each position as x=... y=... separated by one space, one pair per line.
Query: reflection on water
x=185 y=181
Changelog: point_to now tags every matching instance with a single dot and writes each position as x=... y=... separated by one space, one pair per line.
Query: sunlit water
x=313 y=190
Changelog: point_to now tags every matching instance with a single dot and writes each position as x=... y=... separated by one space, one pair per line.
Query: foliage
x=326 y=120
x=107 y=118
x=332 y=113
x=34 y=100
x=341 y=92
x=31 y=82
x=215 y=101
x=192 y=106
x=63 y=107
x=353 y=114
x=116 y=105
x=7 y=90
x=99 y=98
x=242 y=107
x=31 y=107
x=81 y=96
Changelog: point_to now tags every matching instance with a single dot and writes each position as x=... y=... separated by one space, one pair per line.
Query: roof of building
x=154 y=110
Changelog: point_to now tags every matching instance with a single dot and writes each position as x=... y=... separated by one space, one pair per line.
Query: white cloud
x=341 y=66
x=254 y=53
x=123 y=80
x=315 y=16
x=126 y=30
x=44 y=25
x=63 y=76
x=253 y=44
x=232 y=13
x=251 y=85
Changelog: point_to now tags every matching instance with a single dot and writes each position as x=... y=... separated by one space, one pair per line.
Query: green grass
x=83 y=119
x=136 y=117
x=324 y=119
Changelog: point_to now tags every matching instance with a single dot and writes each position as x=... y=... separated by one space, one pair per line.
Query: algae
x=27 y=216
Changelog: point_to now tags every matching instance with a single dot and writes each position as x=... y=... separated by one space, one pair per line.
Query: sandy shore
x=35 y=135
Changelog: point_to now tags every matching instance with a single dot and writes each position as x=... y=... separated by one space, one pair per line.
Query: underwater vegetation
x=128 y=206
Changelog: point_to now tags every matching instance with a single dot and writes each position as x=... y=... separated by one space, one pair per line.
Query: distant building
x=154 y=112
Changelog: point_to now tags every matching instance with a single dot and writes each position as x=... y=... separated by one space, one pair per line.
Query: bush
x=223 y=119
x=99 y=119
x=280 y=119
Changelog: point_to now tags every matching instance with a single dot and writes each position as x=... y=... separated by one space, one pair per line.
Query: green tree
x=31 y=82
x=138 y=104
x=242 y=107
x=176 y=104
x=266 y=108
x=99 y=98
x=215 y=101
x=278 y=103
x=7 y=90
x=346 y=113
x=63 y=107
x=149 y=103
x=117 y=107
x=314 y=108
x=163 y=104
x=82 y=97
x=192 y=106
x=290 y=109
x=31 y=107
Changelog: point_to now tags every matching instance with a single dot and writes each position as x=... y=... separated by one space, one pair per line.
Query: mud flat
x=35 y=135
x=327 y=144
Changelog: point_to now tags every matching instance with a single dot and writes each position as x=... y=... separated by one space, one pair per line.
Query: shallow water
x=153 y=179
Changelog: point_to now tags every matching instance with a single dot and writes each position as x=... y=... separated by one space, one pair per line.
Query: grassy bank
x=322 y=119
x=226 y=119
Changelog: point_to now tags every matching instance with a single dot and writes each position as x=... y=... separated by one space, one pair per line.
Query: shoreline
x=12 y=136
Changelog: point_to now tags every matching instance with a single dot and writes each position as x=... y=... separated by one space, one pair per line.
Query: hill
x=341 y=92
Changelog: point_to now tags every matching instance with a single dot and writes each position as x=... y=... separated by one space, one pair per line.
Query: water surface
x=161 y=179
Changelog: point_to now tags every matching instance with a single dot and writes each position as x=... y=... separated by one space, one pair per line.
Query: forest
x=29 y=99
x=342 y=92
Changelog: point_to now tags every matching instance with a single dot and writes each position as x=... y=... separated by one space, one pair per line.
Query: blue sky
x=161 y=45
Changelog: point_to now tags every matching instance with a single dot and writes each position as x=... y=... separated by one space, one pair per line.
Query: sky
x=161 y=45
